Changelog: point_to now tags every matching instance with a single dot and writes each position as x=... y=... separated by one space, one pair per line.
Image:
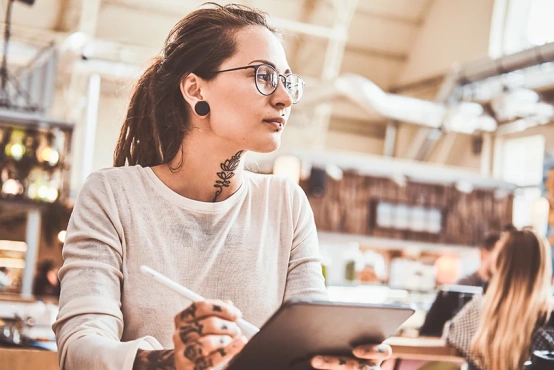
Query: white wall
x=456 y=31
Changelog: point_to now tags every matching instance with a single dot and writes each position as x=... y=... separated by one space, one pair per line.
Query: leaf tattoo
x=226 y=174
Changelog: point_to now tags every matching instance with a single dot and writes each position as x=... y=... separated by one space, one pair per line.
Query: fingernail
x=225 y=340
x=317 y=361
x=381 y=349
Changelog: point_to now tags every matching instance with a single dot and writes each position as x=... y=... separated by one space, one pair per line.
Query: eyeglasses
x=267 y=80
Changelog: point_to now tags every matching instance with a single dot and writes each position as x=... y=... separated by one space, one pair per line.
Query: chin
x=267 y=146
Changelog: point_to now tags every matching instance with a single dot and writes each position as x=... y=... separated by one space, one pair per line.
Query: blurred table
x=423 y=349
x=28 y=359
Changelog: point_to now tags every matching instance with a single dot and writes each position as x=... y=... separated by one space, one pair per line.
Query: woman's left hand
x=368 y=357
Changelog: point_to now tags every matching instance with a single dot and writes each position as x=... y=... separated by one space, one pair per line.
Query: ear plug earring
x=202 y=108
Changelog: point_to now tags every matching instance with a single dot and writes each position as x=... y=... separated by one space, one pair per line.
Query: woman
x=185 y=206
x=499 y=331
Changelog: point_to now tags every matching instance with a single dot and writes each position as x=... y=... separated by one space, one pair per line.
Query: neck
x=206 y=172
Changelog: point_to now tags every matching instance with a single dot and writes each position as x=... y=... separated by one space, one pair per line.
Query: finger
x=379 y=352
x=209 y=326
x=221 y=355
x=204 y=346
x=340 y=363
x=198 y=310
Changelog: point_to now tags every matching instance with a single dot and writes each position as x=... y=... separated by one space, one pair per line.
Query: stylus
x=247 y=328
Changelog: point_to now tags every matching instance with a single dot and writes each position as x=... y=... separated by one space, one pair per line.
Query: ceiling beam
x=390 y=18
x=376 y=53
x=331 y=67
x=305 y=16
x=331 y=33
x=360 y=127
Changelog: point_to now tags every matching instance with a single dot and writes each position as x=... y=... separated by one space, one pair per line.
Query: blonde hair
x=517 y=300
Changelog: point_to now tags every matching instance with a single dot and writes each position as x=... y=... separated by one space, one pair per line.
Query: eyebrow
x=269 y=63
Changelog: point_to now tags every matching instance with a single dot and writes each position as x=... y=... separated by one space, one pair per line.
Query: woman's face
x=239 y=113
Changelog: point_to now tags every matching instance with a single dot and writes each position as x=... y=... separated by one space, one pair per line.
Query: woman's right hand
x=206 y=335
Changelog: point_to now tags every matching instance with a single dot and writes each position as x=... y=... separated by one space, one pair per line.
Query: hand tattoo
x=203 y=364
x=154 y=360
x=217 y=308
x=186 y=332
x=193 y=351
x=190 y=311
x=342 y=361
x=226 y=173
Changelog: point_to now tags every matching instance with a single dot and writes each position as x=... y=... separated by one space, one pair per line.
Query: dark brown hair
x=157 y=116
x=490 y=241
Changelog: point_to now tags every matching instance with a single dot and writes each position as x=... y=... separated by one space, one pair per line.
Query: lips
x=277 y=122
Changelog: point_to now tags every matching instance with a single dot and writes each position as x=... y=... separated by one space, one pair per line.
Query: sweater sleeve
x=304 y=278
x=89 y=325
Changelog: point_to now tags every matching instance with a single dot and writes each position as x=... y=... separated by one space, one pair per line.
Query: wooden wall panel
x=345 y=208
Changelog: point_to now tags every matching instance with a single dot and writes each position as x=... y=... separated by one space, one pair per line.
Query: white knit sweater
x=257 y=248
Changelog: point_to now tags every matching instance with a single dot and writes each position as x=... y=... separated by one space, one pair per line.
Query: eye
x=265 y=77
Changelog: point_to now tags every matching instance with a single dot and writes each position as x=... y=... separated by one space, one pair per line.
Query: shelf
x=385 y=243
x=13 y=245
x=12 y=263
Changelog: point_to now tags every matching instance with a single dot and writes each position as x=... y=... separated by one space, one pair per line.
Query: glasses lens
x=295 y=87
x=266 y=79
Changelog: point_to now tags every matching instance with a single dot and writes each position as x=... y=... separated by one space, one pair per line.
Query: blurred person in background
x=480 y=277
x=448 y=303
x=500 y=329
x=508 y=228
x=46 y=281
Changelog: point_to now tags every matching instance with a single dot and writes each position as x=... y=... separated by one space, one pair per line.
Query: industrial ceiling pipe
x=483 y=69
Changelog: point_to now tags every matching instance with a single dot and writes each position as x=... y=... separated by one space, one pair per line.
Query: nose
x=281 y=97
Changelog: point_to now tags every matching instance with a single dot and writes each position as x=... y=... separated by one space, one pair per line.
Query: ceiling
x=380 y=33
x=383 y=40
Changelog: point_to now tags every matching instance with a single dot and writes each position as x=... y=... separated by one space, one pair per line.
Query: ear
x=191 y=89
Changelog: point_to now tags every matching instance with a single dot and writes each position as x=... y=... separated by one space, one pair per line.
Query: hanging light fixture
x=15 y=148
x=46 y=153
x=12 y=187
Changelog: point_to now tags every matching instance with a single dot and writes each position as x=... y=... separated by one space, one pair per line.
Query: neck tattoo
x=226 y=173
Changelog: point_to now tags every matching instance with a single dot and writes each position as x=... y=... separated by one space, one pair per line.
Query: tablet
x=301 y=329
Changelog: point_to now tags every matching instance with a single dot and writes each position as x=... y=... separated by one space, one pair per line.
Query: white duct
x=371 y=98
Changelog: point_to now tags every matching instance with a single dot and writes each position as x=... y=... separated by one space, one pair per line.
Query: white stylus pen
x=247 y=328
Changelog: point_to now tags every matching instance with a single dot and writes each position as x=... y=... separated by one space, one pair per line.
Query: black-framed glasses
x=267 y=80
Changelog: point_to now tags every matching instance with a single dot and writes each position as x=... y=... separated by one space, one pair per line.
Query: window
x=522 y=164
x=523 y=160
x=517 y=25
x=540 y=24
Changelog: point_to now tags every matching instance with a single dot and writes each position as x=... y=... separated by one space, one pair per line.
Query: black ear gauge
x=202 y=108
